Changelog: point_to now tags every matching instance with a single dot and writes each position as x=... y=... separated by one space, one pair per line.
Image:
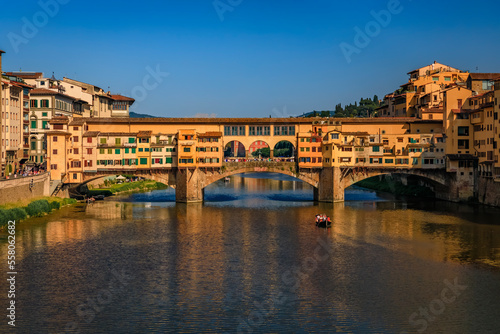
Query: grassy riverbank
x=31 y=208
x=144 y=185
x=396 y=188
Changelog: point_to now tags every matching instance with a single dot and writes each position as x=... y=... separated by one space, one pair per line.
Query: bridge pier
x=189 y=185
x=329 y=186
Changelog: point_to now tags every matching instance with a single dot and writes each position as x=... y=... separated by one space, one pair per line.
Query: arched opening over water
x=234 y=149
x=401 y=185
x=284 y=149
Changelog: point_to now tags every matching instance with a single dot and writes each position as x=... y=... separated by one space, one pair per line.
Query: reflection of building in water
x=414 y=232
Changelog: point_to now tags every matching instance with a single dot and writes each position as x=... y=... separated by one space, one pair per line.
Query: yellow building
x=496 y=125
x=186 y=140
x=422 y=95
x=117 y=146
x=209 y=149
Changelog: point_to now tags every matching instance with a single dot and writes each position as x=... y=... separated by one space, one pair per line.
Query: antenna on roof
x=53 y=77
x=477 y=69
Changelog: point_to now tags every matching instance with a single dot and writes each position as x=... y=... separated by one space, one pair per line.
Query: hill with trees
x=365 y=108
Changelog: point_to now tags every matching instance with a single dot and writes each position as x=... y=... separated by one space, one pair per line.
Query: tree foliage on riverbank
x=127 y=186
x=36 y=208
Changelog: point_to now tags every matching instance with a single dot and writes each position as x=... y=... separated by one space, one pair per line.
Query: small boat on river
x=323 y=221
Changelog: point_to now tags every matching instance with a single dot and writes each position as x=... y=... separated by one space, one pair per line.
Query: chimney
x=435 y=62
x=1 y=109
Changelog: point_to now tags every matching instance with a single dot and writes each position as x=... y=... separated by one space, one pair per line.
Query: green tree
x=263 y=152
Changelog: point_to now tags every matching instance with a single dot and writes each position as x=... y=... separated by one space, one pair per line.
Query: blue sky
x=249 y=58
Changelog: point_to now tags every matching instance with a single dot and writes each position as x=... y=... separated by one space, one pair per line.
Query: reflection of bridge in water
x=329 y=182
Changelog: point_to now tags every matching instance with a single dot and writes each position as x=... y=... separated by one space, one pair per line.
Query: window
x=53 y=167
x=463 y=130
x=34 y=103
x=89 y=151
x=187 y=149
x=117 y=151
x=127 y=150
x=75 y=151
x=54 y=139
x=45 y=125
x=75 y=139
x=143 y=161
x=334 y=136
x=103 y=140
x=44 y=114
x=33 y=124
x=463 y=144
x=44 y=103
x=54 y=151
x=435 y=78
x=131 y=140
x=133 y=150
x=118 y=141
x=168 y=160
x=110 y=151
x=376 y=149
x=141 y=149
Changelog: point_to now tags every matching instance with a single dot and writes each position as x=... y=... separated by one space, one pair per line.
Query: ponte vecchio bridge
x=190 y=154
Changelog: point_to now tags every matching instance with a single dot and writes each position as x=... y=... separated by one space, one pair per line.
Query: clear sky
x=241 y=58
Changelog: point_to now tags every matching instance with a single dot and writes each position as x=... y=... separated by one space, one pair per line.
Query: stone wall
x=489 y=191
x=16 y=189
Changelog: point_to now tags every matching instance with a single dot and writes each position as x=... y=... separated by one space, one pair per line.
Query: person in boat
x=317 y=218
x=328 y=220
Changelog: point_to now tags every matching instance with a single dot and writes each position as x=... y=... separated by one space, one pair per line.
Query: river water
x=250 y=260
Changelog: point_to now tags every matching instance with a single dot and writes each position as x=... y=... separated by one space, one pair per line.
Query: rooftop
x=25 y=75
x=119 y=97
x=44 y=91
x=484 y=76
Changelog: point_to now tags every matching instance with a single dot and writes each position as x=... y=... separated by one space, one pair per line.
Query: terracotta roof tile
x=210 y=134
x=484 y=76
x=91 y=134
x=144 y=133
x=118 y=97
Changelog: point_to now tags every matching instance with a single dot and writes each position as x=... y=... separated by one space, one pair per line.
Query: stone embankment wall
x=489 y=191
x=16 y=189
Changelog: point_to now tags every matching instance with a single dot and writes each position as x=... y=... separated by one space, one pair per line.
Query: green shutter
x=117 y=151
x=126 y=150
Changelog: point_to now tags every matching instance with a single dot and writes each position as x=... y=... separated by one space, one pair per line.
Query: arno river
x=251 y=260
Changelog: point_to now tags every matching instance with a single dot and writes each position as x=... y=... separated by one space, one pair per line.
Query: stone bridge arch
x=354 y=176
x=339 y=179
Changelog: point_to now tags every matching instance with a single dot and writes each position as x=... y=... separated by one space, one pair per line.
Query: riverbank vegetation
x=114 y=188
x=35 y=208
